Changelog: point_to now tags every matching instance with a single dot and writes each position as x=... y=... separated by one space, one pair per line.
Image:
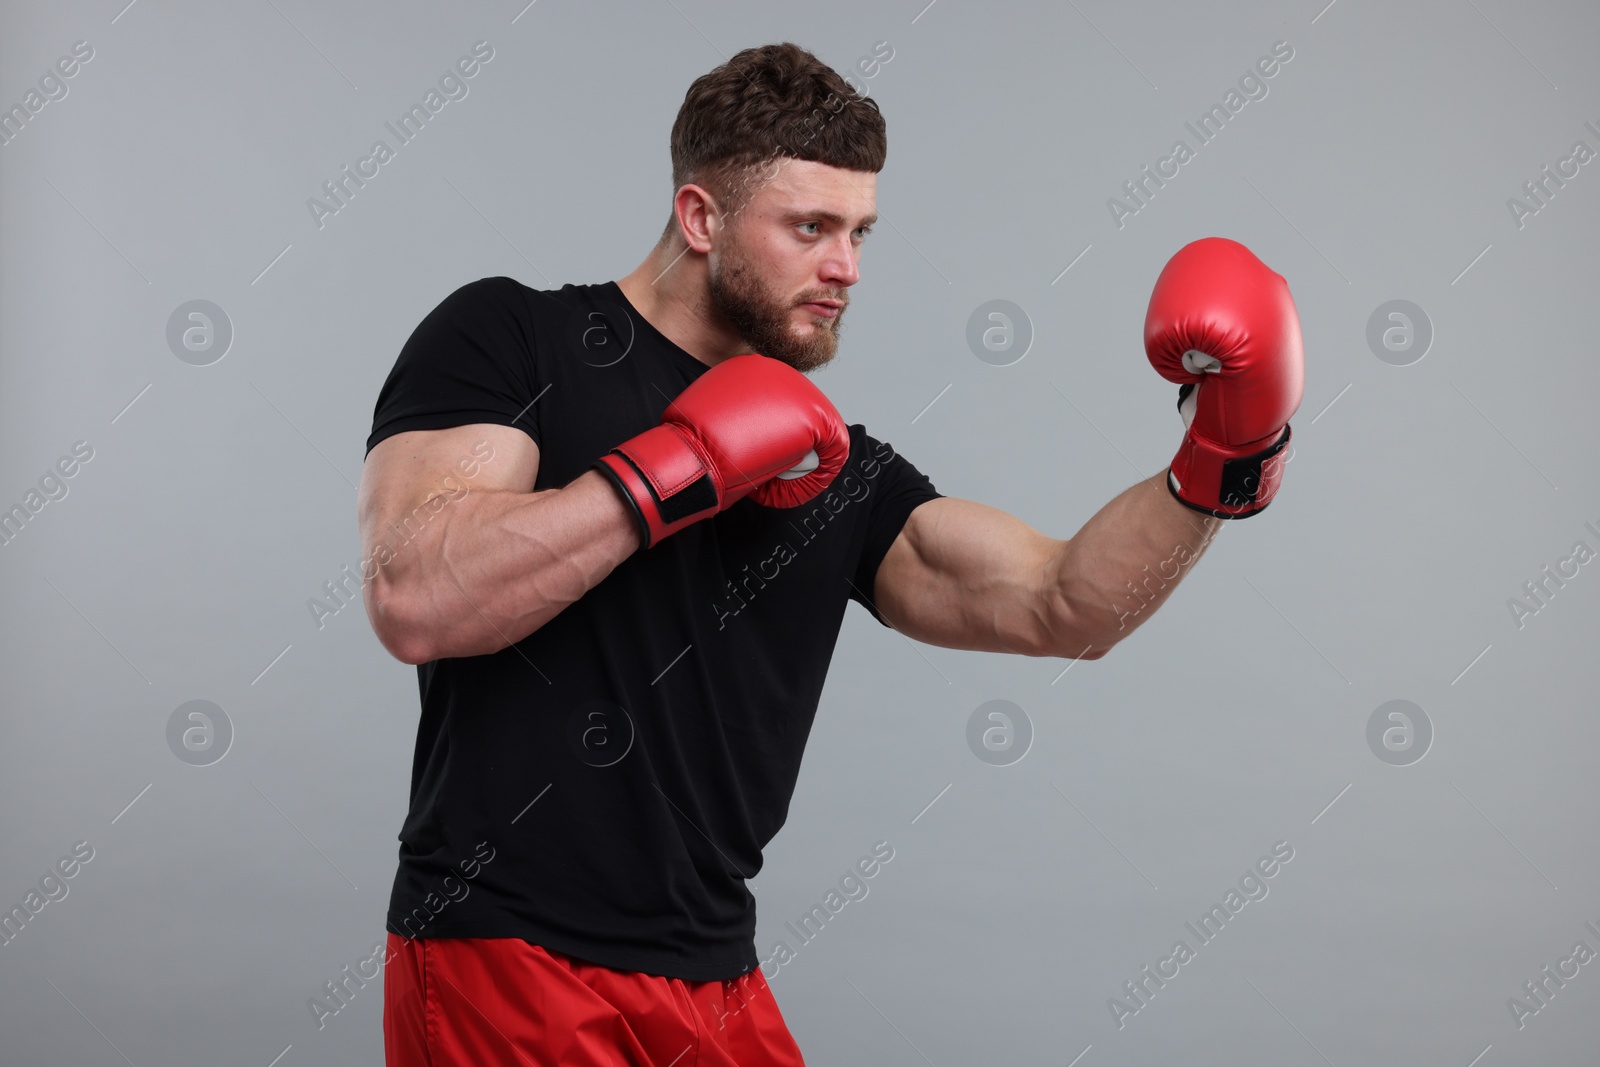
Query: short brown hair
x=774 y=100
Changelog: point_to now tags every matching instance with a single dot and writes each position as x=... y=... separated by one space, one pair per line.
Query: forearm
x=496 y=566
x=1121 y=566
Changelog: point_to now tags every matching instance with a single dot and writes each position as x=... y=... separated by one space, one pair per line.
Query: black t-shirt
x=605 y=786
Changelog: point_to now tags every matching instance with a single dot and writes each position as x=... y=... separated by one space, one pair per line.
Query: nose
x=841 y=267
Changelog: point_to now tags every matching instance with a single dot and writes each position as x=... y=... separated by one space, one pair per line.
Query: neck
x=671 y=290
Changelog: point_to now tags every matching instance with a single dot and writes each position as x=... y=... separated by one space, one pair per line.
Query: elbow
x=413 y=629
x=1068 y=621
x=1072 y=648
x=1068 y=630
x=403 y=645
x=408 y=652
x=395 y=629
x=1080 y=649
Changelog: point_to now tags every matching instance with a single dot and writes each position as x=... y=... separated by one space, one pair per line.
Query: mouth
x=827 y=309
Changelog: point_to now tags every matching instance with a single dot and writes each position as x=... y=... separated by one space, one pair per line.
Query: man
x=623 y=622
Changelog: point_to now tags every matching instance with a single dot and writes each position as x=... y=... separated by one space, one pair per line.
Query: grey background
x=1020 y=898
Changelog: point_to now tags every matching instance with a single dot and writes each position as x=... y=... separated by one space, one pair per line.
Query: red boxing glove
x=749 y=426
x=1223 y=324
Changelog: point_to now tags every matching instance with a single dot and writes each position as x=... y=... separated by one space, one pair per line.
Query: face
x=781 y=266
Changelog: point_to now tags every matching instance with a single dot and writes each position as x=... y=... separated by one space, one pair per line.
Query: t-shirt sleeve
x=896 y=490
x=471 y=359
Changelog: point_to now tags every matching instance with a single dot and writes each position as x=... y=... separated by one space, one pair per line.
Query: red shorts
x=476 y=1002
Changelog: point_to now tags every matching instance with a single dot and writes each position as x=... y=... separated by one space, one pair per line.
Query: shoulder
x=502 y=310
x=505 y=291
x=872 y=456
x=497 y=288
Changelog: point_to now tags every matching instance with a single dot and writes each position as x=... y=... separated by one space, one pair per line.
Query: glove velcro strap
x=664 y=479
x=1220 y=482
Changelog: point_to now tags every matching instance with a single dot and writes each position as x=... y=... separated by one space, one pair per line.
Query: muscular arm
x=476 y=563
x=965 y=575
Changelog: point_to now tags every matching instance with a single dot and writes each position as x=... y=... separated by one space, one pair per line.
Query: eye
x=862 y=231
x=810 y=233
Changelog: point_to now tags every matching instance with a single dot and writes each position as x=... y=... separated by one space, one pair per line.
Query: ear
x=699 y=217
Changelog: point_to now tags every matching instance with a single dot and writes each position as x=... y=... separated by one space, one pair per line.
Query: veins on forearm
x=1124 y=563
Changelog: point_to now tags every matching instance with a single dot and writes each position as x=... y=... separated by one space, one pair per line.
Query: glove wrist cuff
x=1227 y=482
x=665 y=481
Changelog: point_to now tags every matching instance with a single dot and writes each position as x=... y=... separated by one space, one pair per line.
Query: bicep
x=405 y=474
x=405 y=471
x=965 y=575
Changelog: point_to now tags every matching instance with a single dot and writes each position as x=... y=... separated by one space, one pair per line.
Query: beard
x=762 y=318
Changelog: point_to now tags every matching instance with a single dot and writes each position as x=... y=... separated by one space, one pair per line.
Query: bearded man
x=616 y=528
